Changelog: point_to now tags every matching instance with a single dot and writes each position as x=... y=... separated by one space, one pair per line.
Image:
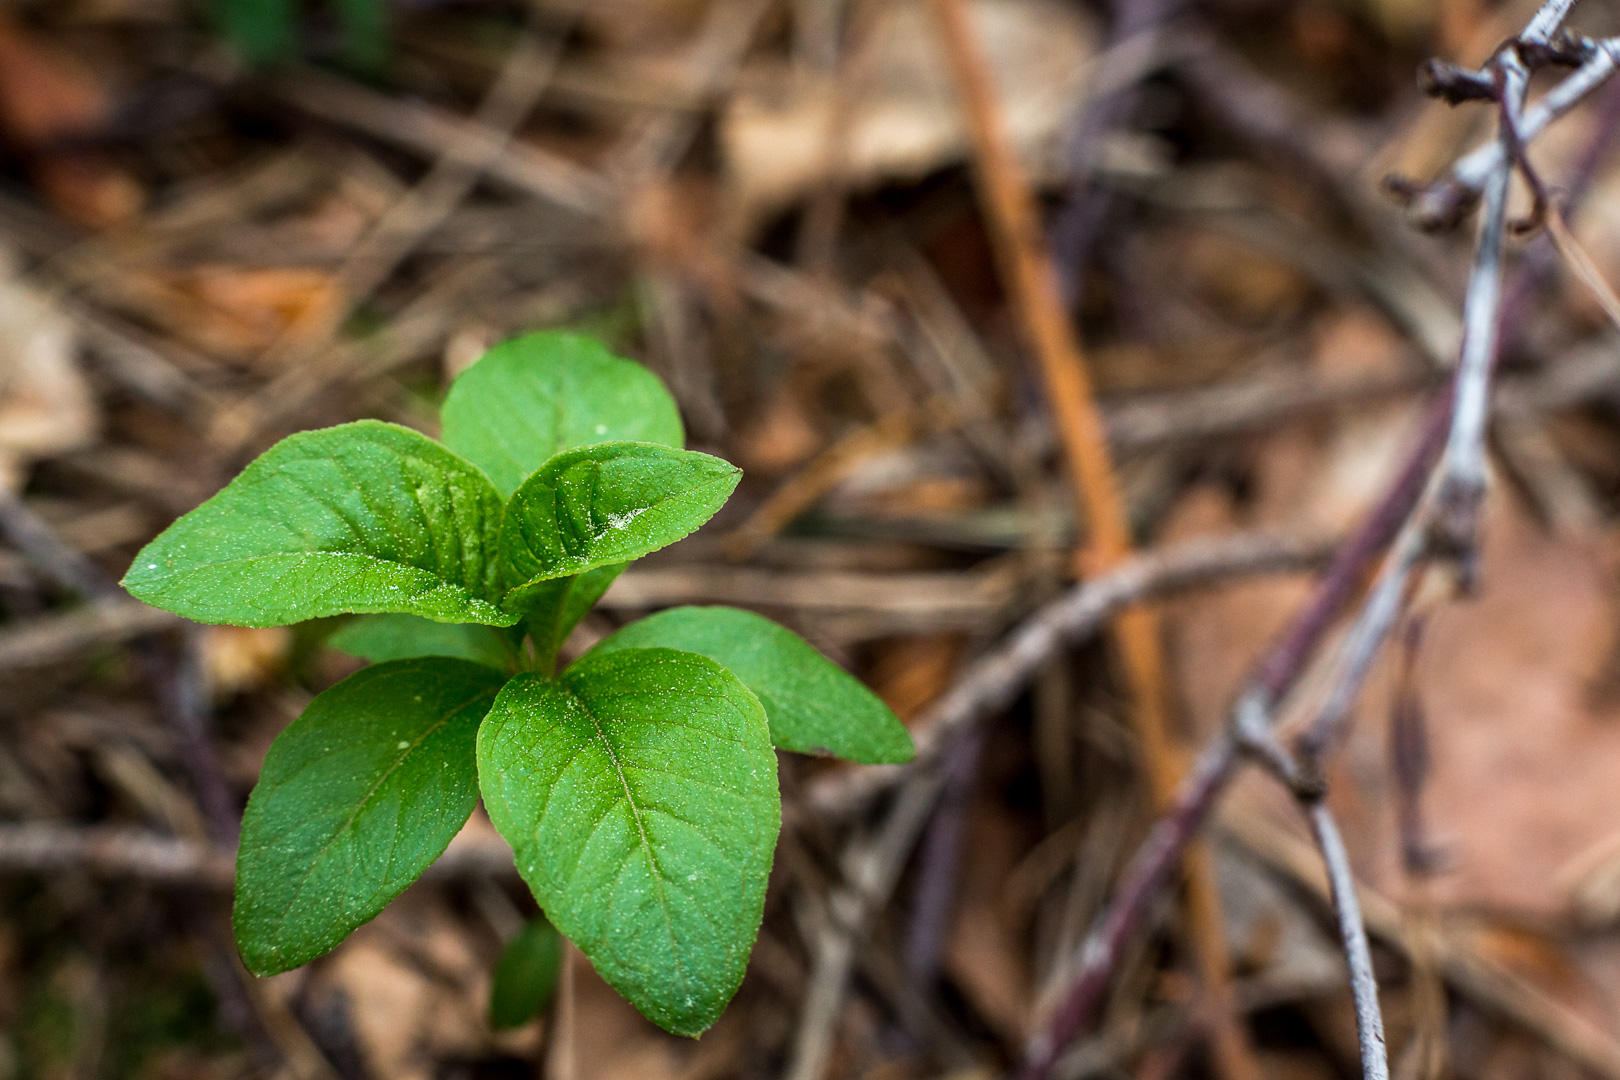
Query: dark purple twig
x=939 y=858
x=1410 y=758
x=1445 y=202
x=1150 y=868
x=1076 y=226
x=189 y=709
x=1540 y=258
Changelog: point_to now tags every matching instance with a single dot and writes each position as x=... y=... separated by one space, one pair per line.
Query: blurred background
x=224 y=222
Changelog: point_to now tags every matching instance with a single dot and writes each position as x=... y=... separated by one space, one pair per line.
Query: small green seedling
x=637 y=787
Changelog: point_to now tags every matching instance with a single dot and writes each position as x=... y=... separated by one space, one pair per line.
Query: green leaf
x=261 y=31
x=363 y=517
x=531 y=398
x=365 y=33
x=398 y=637
x=356 y=798
x=525 y=976
x=556 y=606
x=604 y=504
x=638 y=791
x=814 y=706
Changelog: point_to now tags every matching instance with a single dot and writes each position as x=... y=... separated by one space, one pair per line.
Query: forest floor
x=987 y=298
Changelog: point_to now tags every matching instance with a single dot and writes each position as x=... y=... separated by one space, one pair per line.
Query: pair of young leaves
x=637 y=788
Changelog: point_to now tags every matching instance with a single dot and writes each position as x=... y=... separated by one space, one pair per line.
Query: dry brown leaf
x=908 y=673
x=46 y=407
x=783 y=435
x=46 y=99
x=785 y=132
x=415 y=990
x=1526 y=754
x=240 y=312
x=240 y=658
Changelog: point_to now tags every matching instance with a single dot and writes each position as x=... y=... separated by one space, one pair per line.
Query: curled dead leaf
x=787 y=132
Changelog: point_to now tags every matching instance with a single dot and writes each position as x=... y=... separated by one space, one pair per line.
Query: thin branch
x=113 y=851
x=1277 y=672
x=1357 y=954
x=1545 y=22
x=1444 y=203
x=1446 y=521
x=988 y=686
x=40 y=545
x=997 y=678
x=1032 y=280
x=1455 y=950
x=1302 y=778
x=1449 y=512
x=55 y=638
x=1461 y=485
x=1411 y=761
x=1366 y=637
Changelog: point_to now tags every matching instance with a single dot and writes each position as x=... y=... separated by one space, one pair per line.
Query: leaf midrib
x=460 y=588
x=360 y=807
x=641 y=833
x=594 y=558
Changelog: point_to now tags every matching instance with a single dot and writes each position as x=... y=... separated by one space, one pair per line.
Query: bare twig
x=987 y=687
x=1411 y=759
x=1277 y=672
x=117 y=852
x=1456 y=953
x=997 y=678
x=1363 y=983
x=1444 y=203
x=1448 y=513
x=1302 y=777
x=55 y=638
x=1446 y=521
x=1033 y=282
x=1461 y=483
